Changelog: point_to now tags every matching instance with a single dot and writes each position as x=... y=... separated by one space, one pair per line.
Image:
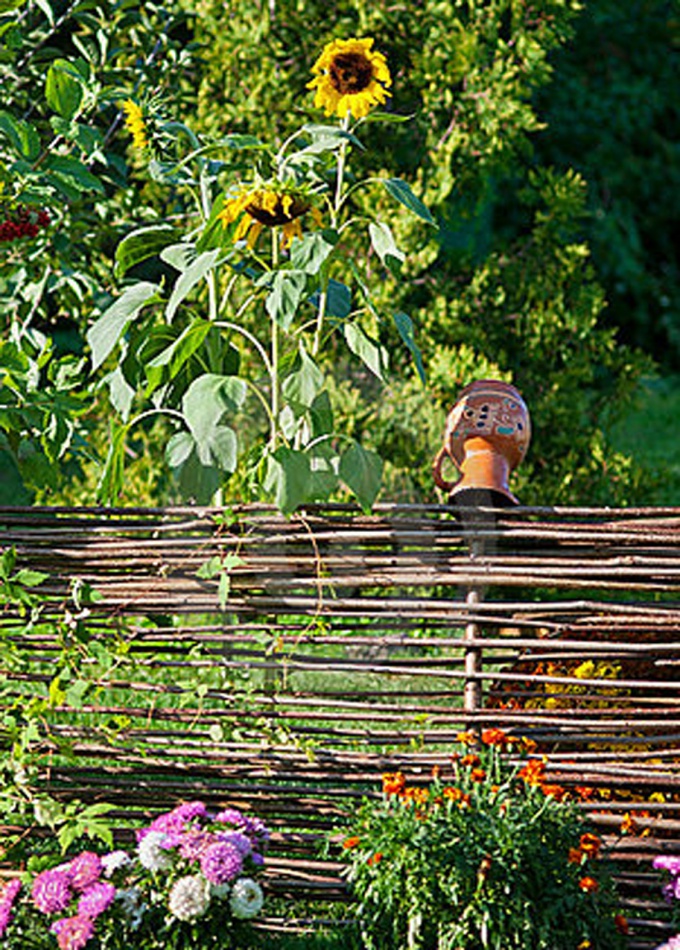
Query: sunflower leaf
x=401 y=192
x=404 y=325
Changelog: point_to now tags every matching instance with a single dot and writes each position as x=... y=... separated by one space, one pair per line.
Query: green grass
x=650 y=433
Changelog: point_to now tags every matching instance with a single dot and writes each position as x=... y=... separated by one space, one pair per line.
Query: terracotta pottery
x=487 y=436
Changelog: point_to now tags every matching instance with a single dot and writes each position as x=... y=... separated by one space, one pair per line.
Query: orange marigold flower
x=575 y=856
x=588 y=885
x=418 y=795
x=628 y=824
x=590 y=845
x=470 y=760
x=477 y=775
x=375 y=858
x=528 y=744
x=533 y=772
x=584 y=792
x=394 y=783
x=621 y=924
x=452 y=793
x=351 y=842
x=496 y=737
x=467 y=738
x=557 y=791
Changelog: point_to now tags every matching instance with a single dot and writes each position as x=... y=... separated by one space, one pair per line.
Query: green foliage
x=509 y=289
x=613 y=116
x=493 y=859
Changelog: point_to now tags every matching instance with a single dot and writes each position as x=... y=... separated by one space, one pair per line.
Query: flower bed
x=189 y=883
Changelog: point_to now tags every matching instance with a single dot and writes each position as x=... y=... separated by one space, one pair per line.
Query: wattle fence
x=283 y=664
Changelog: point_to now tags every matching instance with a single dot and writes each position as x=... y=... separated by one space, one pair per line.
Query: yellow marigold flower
x=254 y=208
x=350 y=77
x=134 y=123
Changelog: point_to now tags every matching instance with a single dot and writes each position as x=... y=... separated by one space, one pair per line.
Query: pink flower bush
x=188 y=864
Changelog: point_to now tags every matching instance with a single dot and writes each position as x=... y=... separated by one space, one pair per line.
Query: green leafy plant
x=496 y=858
x=263 y=282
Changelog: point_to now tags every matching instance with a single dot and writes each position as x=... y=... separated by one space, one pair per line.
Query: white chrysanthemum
x=114 y=860
x=151 y=855
x=246 y=898
x=189 y=897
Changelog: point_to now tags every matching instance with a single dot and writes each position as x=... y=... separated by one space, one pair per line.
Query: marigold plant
x=490 y=857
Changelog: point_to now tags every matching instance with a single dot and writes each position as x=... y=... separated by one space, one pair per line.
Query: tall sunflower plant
x=234 y=312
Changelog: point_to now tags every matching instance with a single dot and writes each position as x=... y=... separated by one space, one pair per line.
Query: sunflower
x=134 y=123
x=350 y=77
x=253 y=208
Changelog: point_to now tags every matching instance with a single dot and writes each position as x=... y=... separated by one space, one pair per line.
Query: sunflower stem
x=274 y=359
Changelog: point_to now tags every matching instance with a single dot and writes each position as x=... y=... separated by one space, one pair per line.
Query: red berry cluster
x=23 y=223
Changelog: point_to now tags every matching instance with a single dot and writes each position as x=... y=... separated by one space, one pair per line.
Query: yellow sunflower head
x=350 y=77
x=135 y=124
x=254 y=208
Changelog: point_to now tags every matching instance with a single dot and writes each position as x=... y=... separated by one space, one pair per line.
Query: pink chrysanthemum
x=84 y=870
x=73 y=932
x=221 y=862
x=51 y=892
x=96 y=899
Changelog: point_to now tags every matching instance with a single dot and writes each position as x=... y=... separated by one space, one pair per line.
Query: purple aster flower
x=73 y=932
x=230 y=816
x=240 y=841
x=221 y=862
x=176 y=821
x=95 y=899
x=84 y=870
x=194 y=842
x=51 y=892
x=7 y=897
x=257 y=859
x=667 y=862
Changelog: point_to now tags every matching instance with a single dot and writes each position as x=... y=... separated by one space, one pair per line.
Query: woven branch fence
x=283 y=664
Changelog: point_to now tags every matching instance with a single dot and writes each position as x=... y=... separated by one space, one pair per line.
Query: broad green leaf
x=183 y=348
x=207 y=399
x=401 y=191
x=288 y=478
x=242 y=141
x=121 y=393
x=194 y=274
x=369 y=352
x=64 y=88
x=303 y=385
x=142 y=244
x=338 y=300
x=111 y=480
x=198 y=482
x=287 y=291
x=404 y=325
x=29 y=578
x=179 y=448
x=73 y=173
x=222 y=449
x=310 y=252
x=390 y=117
x=361 y=470
x=105 y=333
x=6 y=6
x=180 y=256
x=330 y=134
x=22 y=136
x=321 y=415
x=385 y=247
